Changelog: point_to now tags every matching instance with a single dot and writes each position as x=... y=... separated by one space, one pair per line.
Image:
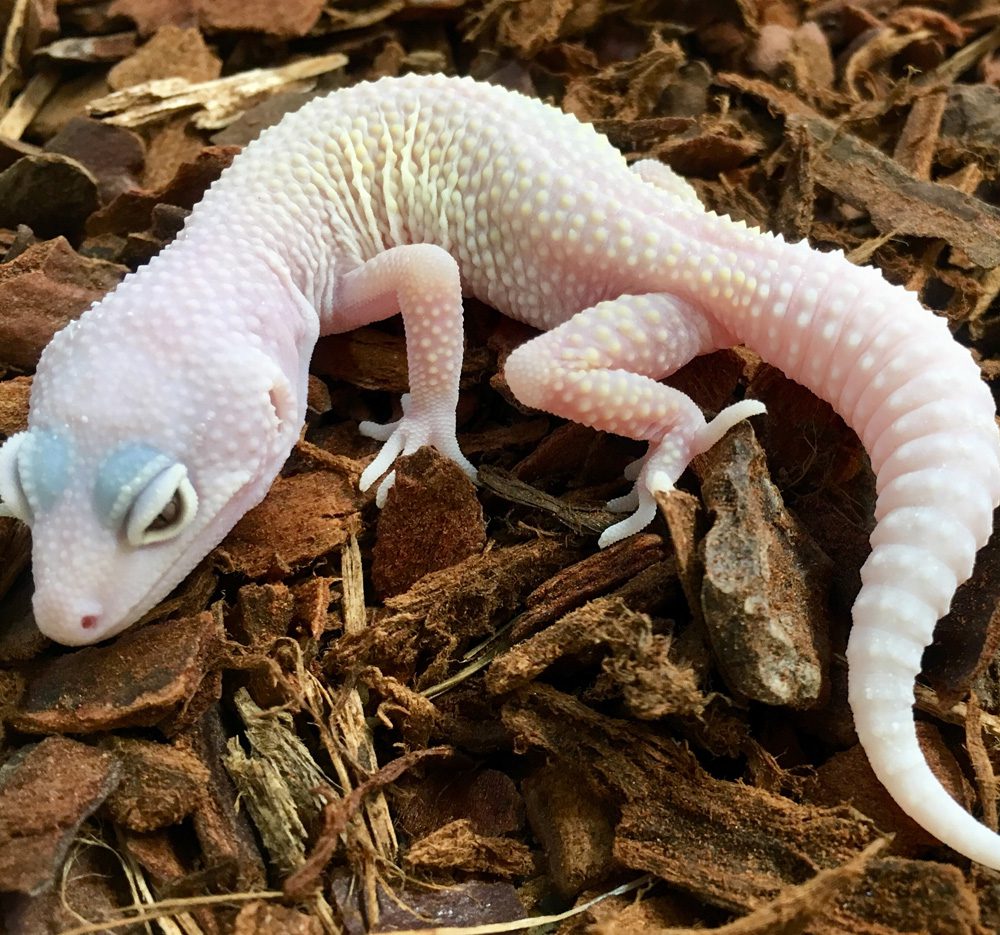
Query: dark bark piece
x=46 y=793
x=589 y=578
x=432 y=519
x=148 y=676
x=150 y=15
x=895 y=895
x=52 y=194
x=114 y=155
x=475 y=902
x=637 y=666
x=41 y=291
x=223 y=829
x=443 y=611
x=133 y=211
x=763 y=594
x=966 y=639
x=90 y=891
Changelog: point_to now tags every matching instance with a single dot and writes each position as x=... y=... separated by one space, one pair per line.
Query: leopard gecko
x=163 y=414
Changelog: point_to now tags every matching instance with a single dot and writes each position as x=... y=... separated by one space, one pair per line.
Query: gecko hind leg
x=578 y=371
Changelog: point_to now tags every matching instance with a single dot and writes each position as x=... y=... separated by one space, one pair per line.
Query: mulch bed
x=456 y=711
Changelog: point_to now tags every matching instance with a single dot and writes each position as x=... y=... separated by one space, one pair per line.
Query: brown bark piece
x=488 y=799
x=302 y=517
x=41 y=291
x=14 y=404
x=575 y=827
x=900 y=203
x=847 y=778
x=145 y=677
x=287 y=20
x=727 y=843
x=151 y=15
x=765 y=582
x=160 y=785
x=171 y=53
x=638 y=665
x=52 y=194
x=457 y=846
x=46 y=792
x=431 y=520
x=895 y=895
x=263 y=614
x=264 y=918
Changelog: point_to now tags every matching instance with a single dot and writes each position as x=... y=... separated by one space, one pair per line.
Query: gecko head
x=122 y=509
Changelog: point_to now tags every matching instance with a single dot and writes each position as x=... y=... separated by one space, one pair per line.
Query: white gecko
x=163 y=414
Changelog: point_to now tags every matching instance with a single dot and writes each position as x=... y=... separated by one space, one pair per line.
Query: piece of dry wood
x=218 y=103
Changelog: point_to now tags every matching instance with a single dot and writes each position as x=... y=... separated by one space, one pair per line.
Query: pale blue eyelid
x=43 y=465
x=122 y=477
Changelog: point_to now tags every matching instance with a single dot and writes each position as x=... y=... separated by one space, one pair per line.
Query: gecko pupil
x=168 y=515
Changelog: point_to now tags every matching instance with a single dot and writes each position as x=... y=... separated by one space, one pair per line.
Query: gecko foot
x=664 y=463
x=404 y=437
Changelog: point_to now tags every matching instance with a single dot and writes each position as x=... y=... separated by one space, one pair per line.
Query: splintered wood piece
x=217 y=103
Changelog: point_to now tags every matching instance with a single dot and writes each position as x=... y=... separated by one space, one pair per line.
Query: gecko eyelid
x=34 y=472
x=144 y=494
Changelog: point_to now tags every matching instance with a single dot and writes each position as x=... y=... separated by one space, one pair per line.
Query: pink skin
x=403 y=195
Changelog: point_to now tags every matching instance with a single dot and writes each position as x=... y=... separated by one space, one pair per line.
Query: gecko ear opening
x=163 y=509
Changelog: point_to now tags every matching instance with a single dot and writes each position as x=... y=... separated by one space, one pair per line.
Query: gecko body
x=164 y=413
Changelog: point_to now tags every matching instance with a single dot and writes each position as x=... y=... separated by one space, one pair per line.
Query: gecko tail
x=915 y=397
x=882 y=669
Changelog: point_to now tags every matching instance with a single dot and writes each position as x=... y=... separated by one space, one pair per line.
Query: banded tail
x=893 y=371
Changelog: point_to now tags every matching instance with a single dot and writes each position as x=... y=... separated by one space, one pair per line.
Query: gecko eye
x=163 y=509
x=34 y=470
x=145 y=494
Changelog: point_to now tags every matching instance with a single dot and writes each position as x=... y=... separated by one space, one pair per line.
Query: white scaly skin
x=164 y=414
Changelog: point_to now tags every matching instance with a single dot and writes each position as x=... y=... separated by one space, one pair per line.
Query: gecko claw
x=666 y=460
x=404 y=437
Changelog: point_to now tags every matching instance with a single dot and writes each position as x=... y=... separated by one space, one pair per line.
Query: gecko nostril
x=88 y=621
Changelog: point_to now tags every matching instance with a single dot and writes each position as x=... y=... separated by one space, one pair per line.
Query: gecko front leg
x=601 y=368
x=421 y=282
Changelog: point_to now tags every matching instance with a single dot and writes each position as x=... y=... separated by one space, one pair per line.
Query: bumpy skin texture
x=402 y=195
